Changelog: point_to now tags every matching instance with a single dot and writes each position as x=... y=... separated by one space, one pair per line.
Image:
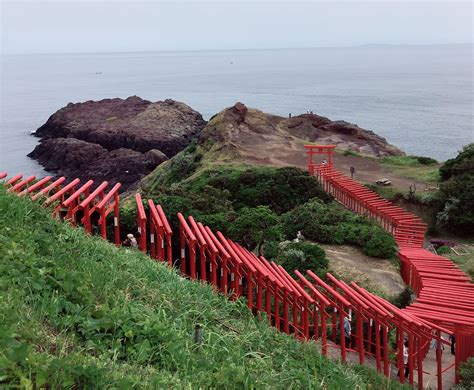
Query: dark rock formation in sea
x=115 y=139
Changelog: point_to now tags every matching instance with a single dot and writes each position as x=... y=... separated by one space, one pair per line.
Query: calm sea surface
x=419 y=98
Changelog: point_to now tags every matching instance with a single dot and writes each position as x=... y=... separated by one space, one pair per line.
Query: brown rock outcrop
x=252 y=136
x=115 y=139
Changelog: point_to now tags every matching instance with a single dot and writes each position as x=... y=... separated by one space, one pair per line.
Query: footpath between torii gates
x=308 y=307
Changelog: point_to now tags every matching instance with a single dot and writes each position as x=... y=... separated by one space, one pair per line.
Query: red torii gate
x=424 y=273
x=109 y=204
x=202 y=244
x=36 y=186
x=74 y=199
x=141 y=224
x=223 y=259
x=18 y=186
x=46 y=190
x=89 y=205
x=61 y=196
x=235 y=266
x=337 y=303
x=186 y=236
x=212 y=252
x=160 y=234
x=315 y=150
x=13 y=180
x=168 y=234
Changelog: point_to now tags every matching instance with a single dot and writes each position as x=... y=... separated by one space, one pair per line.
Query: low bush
x=403 y=299
x=443 y=250
x=408 y=161
x=254 y=226
x=241 y=185
x=279 y=188
x=426 y=160
x=466 y=372
x=302 y=256
x=463 y=163
x=350 y=152
x=330 y=223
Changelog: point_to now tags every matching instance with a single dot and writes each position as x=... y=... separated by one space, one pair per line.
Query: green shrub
x=332 y=224
x=315 y=220
x=350 y=152
x=454 y=202
x=466 y=372
x=279 y=188
x=463 y=163
x=426 y=160
x=232 y=187
x=302 y=256
x=381 y=245
x=457 y=197
x=442 y=250
x=219 y=221
x=254 y=226
x=403 y=299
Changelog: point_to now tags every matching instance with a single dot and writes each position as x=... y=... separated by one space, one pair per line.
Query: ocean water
x=419 y=98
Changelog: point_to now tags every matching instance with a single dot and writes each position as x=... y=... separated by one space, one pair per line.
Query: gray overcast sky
x=98 y=26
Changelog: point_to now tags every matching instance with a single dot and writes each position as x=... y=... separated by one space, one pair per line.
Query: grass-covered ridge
x=78 y=312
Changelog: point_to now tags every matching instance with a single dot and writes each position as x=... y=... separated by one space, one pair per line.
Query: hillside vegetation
x=77 y=312
x=261 y=207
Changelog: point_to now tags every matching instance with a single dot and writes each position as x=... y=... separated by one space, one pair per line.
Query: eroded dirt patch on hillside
x=377 y=275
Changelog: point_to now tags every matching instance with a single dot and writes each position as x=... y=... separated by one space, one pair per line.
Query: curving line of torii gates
x=307 y=307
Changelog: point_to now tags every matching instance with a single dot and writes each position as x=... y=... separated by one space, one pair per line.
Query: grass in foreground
x=464 y=261
x=77 y=312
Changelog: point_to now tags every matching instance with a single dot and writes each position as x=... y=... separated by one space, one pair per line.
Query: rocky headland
x=118 y=140
x=123 y=140
x=252 y=136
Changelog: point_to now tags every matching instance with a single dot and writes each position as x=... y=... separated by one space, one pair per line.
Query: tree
x=456 y=196
x=256 y=225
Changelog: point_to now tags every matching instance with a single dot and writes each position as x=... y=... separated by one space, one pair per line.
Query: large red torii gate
x=318 y=150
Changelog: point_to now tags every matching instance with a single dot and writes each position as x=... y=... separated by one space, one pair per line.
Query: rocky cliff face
x=256 y=137
x=115 y=139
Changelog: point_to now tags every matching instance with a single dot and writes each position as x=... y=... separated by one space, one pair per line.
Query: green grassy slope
x=77 y=312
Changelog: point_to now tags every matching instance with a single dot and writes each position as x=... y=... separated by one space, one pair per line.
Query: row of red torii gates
x=445 y=294
x=307 y=307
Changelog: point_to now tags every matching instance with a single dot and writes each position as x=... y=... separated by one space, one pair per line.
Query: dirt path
x=376 y=274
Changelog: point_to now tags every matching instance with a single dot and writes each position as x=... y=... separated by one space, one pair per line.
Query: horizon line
x=365 y=45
